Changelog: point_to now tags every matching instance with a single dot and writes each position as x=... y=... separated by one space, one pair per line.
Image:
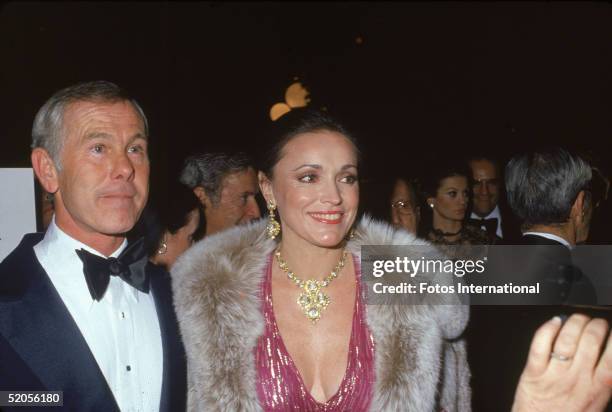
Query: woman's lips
x=330 y=218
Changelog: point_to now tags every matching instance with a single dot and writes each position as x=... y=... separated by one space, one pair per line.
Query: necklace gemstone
x=312 y=300
x=314 y=314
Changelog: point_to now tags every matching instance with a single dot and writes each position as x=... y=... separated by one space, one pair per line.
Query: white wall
x=17 y=207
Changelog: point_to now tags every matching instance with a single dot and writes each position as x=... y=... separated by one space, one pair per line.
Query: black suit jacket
x=499 y=337
x=41 y=347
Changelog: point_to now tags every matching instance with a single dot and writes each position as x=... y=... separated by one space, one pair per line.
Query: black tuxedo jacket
x=499 y=337
x=510 y=226
x=552 y=260
x=41 y=347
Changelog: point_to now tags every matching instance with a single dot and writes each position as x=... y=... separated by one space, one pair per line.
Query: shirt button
x=128 y=368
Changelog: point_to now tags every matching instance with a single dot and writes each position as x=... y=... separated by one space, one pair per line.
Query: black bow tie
x=129 y=266
x=490 y=224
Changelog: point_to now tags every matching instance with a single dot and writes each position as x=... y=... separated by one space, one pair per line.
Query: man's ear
x=201 y=195
x=578 y=211
x=265 y=186
x=45 y=170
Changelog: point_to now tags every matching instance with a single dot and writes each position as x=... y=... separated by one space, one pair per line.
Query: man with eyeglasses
x=405 y=209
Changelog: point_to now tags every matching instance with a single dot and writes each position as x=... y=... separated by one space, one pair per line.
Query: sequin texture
x=279 y=384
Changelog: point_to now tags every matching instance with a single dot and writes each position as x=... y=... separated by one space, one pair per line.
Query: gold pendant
x=312 y=300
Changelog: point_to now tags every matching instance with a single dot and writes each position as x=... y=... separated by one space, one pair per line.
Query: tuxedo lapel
x=37 y=325
x=174 y=378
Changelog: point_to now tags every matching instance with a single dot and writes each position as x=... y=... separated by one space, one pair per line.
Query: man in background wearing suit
x=81 y=311
x=489 y=210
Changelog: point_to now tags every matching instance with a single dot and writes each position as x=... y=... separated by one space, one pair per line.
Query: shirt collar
x=494 y=214
x=551 y=237
x=60 y=242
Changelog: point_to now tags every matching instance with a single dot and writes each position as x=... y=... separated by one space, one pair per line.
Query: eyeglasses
x=403 y=206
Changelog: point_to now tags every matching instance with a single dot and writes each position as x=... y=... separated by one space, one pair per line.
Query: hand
x=572 y=377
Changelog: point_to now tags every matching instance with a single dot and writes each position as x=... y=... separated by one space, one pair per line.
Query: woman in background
x=171 y=224
x=446 y=192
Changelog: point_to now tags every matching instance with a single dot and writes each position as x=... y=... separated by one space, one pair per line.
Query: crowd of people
x=190 y=299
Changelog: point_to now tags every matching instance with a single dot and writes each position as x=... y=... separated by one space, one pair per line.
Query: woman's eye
x=307 y=178
x=452 y=194
x=350 y=179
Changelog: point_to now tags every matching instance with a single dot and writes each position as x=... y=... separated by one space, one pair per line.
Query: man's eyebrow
x=97 y=135
x=139 y=136
x=314 y=166
x=104 y=135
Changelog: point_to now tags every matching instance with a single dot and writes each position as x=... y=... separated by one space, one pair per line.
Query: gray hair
x=208 y=170
x=542 y=186
x=48 y=128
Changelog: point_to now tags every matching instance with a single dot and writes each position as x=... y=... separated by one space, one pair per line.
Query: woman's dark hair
x=296 y=122
x=432 y=178
x=168 y=212
x=430 y=183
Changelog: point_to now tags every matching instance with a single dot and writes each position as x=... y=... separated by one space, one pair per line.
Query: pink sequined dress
x=279 y=384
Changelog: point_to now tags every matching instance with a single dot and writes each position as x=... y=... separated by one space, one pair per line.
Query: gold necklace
x=312 y=300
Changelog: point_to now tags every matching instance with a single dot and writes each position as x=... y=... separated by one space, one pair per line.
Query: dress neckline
x=286 y=353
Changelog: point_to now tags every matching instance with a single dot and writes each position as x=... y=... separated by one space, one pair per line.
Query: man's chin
x=482 y=212
x=117 y=228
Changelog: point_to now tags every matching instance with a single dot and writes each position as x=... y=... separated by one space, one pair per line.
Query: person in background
x=550 y=193
x=226 y=185
x=405 y=205
x=447 y=194
x=170 y=224
x=601 y=221
x=488 y=209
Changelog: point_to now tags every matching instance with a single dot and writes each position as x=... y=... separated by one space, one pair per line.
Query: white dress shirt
x=121 y=330
x=551 y=237
x=494 y=214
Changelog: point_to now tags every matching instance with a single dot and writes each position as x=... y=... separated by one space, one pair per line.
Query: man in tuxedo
x=81 y=311
x=549 y=192
x=488 y=211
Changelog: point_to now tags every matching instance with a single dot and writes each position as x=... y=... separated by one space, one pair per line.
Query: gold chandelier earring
x=273 y=228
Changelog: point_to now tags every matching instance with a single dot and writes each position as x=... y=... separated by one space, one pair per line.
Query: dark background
x=427 y=80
